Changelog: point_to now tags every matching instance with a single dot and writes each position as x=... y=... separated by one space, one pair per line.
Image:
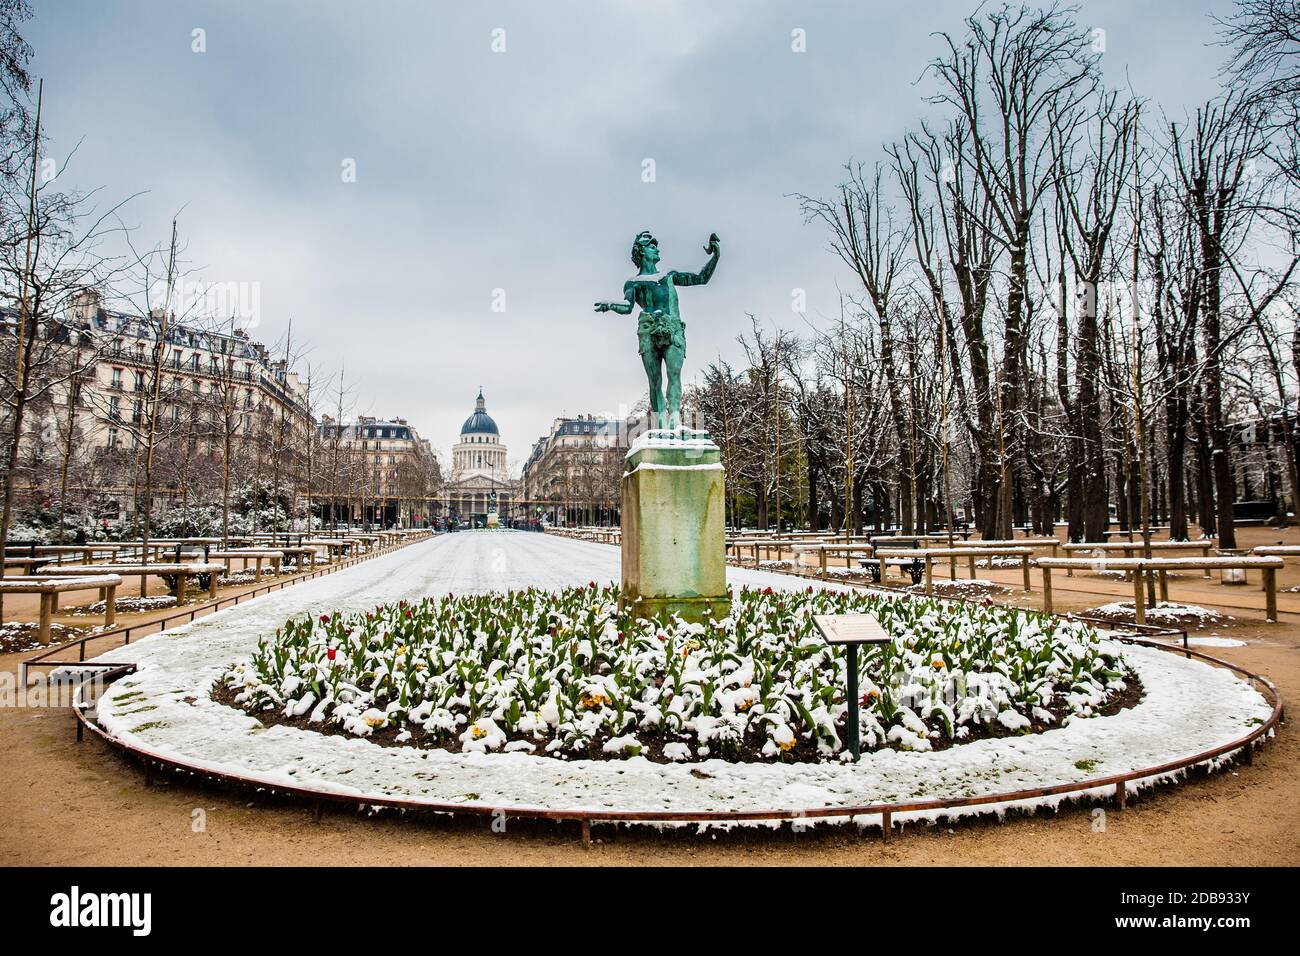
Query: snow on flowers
x=566 y=674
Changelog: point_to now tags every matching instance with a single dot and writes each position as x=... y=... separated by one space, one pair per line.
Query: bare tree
x=1020 y=79
x=49 y=257
x=1212 y=156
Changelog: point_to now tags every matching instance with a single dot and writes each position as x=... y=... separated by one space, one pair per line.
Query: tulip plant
x=566 y=674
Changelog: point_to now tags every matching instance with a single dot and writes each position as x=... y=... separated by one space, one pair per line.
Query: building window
x=117 y=379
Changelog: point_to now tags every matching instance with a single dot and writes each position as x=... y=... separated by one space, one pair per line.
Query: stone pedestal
x=674 y=546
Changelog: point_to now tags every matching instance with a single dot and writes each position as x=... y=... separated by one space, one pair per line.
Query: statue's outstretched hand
x=602 y=306
x=712 y=247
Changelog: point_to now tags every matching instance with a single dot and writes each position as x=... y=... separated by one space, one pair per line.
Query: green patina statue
x=660 y=328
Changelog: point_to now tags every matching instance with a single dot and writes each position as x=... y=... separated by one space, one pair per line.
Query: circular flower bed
x=567 y=674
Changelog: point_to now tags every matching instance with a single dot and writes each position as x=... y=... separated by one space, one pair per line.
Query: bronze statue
x=660 y=328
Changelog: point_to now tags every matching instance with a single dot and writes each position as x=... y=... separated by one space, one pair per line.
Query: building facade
x=376 y=472
x=198 y=406
x=573 y=473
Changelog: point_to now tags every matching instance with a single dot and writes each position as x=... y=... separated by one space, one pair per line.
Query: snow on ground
x=962 y=586
x=1166 y=612
x=1216 y=641
x=25 y=635
x=125 y=605
x=1212 y=640
x=165 y=708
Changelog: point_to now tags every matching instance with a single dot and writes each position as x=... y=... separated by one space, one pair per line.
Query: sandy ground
x=80 y=804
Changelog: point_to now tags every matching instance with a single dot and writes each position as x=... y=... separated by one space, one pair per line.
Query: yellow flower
x=873 y=694
x=786 y=746
x=478 y=732
x=938 y=663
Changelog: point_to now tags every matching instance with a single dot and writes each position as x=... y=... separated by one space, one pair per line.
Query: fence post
x=1139 y=596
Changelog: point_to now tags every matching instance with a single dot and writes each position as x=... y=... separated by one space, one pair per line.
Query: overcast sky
x=520 y=170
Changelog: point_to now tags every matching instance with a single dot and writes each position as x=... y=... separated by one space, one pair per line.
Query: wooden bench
x=257 y=555
x=162 y=549
x=1140 y=567
x=337 y=547
x=825 y=548
x=913 y=566
x=1049 y=544
x=54 y=553
x=1277 y=551
x=764 y=545
x=915 y=540
x=301 y=551
x=928 y=555
x=365 y=539
x=175 y=575
x=26 y=565
x=1129 y=548
x=50 y=588
x=1129 y=532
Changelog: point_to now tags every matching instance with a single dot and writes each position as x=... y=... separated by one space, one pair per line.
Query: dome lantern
x=479 y=423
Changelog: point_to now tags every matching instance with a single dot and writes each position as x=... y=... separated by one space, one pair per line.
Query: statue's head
x=645 y=249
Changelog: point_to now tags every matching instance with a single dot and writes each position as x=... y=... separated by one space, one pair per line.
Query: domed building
x=480 y=471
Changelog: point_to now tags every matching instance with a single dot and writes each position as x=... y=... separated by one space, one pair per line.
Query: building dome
x=480 y=423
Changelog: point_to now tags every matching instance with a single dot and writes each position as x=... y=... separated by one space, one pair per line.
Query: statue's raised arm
x=705 y=274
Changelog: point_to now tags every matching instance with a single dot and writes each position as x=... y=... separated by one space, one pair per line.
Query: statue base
x=674 y=546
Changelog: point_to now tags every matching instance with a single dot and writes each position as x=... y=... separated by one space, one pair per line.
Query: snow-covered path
x=506 y=560
x=165 y=708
